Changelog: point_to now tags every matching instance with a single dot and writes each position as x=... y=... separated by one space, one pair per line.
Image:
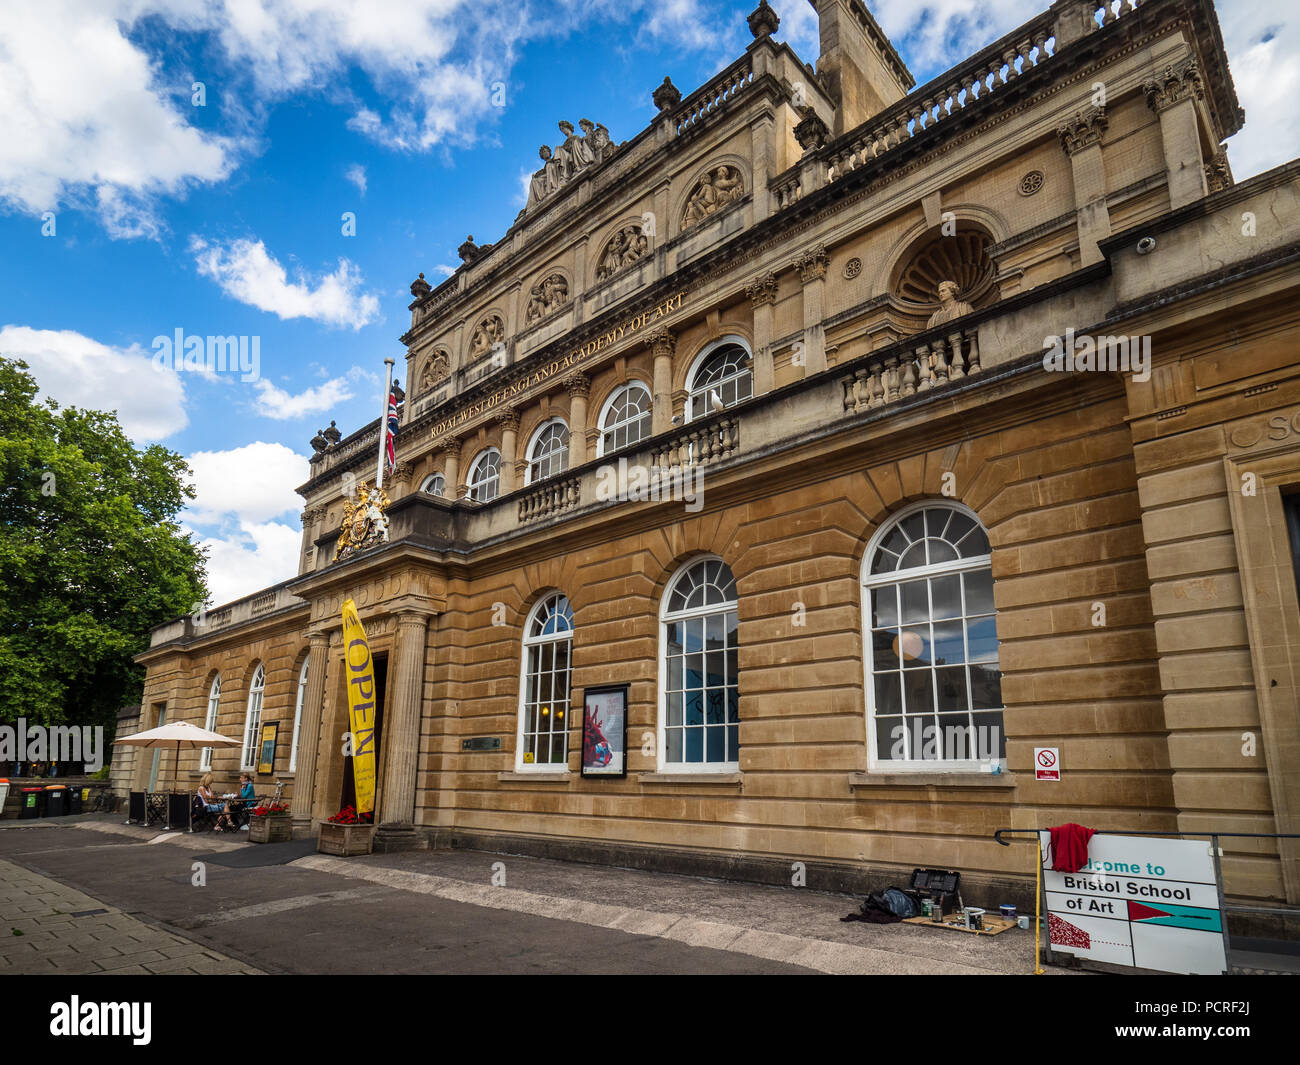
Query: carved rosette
x=661 y=342
x=578 y=385
x=762 y=290
x=1083 y=130
x=812 y=264
x=1174 y=84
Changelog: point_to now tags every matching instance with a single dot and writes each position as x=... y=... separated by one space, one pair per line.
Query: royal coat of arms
x=364 y=522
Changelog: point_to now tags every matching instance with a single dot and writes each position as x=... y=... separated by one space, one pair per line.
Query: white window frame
x=535 y=441
x=527 y=644
x=434 y=479
x=666 y=618
x=214 y=705
x=867 y=583
x=697 y=400
x=475 y=481
x=607 y=409
x=253 y=719
x=297 y=715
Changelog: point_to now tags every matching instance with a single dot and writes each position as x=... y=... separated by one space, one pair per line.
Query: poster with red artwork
x=604 y=732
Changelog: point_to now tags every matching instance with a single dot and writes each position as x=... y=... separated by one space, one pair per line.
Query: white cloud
x=356 y=174
x=274 y=402
x=78 y=371
x=250 y=484
x=85 y=122
x=238 y=496
x=1263 y=46
x=250 y=558
x=247 y=272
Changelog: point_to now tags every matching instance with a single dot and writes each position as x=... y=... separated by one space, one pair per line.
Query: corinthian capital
x=450 y=445
x=812 y=264
x=508 y=419
x=578 y=384
x=1176 y=82
x=1083 y=130
x=762 y=290
x=662 y=342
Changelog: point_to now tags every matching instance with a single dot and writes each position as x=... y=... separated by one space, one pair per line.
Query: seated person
x=206 y=797
x=225 y=823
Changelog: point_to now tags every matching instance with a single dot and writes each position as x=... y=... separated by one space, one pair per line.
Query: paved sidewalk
x=50 y=928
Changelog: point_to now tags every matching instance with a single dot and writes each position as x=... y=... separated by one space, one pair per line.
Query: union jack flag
x=390 y=438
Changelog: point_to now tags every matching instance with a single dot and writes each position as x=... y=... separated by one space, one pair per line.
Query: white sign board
x=1141 y=901
x=1047 y=763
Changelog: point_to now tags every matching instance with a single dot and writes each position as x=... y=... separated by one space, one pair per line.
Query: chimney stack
x=861 y=69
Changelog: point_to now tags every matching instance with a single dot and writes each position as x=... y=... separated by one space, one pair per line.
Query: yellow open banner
x=361 y=706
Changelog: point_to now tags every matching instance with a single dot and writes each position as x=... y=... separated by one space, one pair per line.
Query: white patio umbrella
x=177 y=734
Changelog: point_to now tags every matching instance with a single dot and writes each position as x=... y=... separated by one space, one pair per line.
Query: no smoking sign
x=1047 y=763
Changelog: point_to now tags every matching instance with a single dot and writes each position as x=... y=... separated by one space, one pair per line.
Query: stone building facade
x=809 y=311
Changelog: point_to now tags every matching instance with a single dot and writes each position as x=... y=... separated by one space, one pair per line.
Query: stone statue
x=575 y=149
x=318 y=443
x=730 y=185
x=435 y=371
x=540 y=185
x=950 y=307
x=546 y=297
x=490 y=331
x=597 y=139
x=332 y=434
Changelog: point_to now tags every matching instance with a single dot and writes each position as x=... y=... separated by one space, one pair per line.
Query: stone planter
x=345 y=840
x=270 y=828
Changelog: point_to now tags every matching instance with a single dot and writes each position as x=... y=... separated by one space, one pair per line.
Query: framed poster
x=266 y=761
x=604 y=731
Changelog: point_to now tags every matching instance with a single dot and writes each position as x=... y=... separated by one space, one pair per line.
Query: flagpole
x=383 y=426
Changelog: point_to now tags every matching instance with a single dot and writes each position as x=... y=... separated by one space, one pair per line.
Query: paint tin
x=974 y=918
x=1023 y=920
x=1007 y=911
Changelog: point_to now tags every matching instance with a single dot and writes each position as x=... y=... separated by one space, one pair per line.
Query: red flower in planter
x=349 y=816
x=270 y=808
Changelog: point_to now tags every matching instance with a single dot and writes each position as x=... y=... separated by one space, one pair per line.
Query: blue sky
x=421 y=117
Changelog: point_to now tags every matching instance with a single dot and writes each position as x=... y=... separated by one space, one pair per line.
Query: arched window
x=699 y=712
x=548 y=451
x=253 y=719
x=544 y=686
x=934 y=691
x=724 y=375
x=297 y=716
x=214 y=701
x=625 y=419
x=485 y=476
x=434 y=485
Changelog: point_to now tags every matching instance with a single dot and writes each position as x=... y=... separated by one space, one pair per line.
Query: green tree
x=91 y=556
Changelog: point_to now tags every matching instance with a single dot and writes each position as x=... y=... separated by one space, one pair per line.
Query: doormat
x=256 y=855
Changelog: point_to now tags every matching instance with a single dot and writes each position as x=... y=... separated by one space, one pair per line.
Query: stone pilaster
x=1172 y=95
x=662 y=345
x=309 y=736
x=579 y=388
x=451 y=467
x=1081 y=139
x=812 y=272
x=762 y=294
x=402 y=715
x=509 y=422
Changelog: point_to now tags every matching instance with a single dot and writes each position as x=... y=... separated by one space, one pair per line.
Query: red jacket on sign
x=1070 y=847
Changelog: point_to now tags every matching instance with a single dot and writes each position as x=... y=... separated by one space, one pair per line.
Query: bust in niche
x=950 y=307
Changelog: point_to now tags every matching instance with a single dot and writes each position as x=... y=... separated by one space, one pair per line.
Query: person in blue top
x=225 y=823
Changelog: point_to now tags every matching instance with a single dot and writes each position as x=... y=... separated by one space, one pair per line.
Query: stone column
x=402 y=716
x=812 y=272
x=451 y=468
x=509 y=422
x=579 y=387
x=762 y=293
x=662 y=345
x=1172 y=95
x=1081 y=139
x=309 y=735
